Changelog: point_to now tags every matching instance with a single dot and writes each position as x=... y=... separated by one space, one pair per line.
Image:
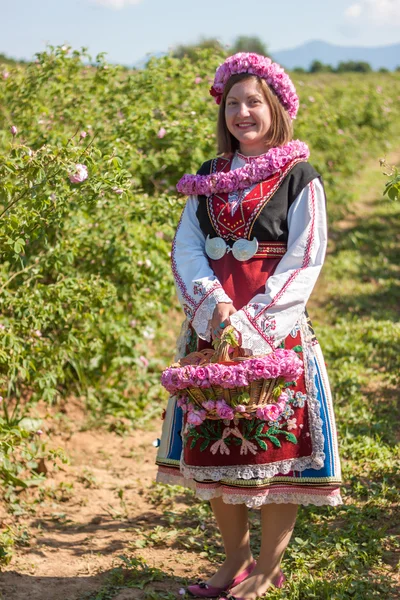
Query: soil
x=87 y=515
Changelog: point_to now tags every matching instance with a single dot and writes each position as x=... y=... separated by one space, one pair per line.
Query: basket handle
x=222 y=345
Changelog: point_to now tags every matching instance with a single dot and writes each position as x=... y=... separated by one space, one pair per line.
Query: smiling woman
x=247 y=252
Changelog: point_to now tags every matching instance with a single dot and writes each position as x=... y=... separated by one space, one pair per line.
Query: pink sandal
x=203 y=590
x=278 y=583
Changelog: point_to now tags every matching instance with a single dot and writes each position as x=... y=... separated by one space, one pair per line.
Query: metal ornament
x=242 y=249
x=245 y=249
x=215 y=247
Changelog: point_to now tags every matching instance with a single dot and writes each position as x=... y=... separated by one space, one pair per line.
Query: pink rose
x=13 y=130
x=144 y=361
x=226 y=378
x=181 y=401
x=196 y=417
x=161 y=133
x=80 y=174
x=209 y=405
x=224 y=410
x=257 y=368
x=269 y=412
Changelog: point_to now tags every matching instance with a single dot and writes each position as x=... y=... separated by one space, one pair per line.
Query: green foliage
x=318 y=67
x=350 y=66
x=249 y=43
x=392 y=186
x=353 y=66
x=192 y=51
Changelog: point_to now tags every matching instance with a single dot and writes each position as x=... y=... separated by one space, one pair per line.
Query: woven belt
x=243 y=249
x=270 y=250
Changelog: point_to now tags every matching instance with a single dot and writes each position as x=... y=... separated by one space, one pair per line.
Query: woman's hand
x=221 y=314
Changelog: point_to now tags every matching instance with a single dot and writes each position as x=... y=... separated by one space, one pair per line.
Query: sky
x=128 y=30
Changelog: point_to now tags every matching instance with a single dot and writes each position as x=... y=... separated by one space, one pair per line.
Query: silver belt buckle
x=242 y=249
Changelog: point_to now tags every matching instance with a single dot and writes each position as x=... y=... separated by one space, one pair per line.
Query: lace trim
x=202 y=318
x=315 y=461
x=331 y=498
x=182 y=341
x=252 y=342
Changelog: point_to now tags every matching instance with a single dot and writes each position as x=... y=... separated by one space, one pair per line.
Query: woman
x=247 y=252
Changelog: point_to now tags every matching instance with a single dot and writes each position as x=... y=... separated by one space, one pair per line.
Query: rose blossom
x=209 y=405
x=269 y=412
x=144 y=361
x=81 y=173
x=224 y=410
x=196 y=417
x=161 y=133
x=181 y=401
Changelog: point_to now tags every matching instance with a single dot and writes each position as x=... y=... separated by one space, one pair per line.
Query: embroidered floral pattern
x=255 y=436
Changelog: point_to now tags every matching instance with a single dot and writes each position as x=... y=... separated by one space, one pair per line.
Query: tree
x=252 y=43
x=318 y=67
x=191 y=50
x=354 y=66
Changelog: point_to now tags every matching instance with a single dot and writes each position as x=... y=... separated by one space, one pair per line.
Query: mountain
x=303 y=56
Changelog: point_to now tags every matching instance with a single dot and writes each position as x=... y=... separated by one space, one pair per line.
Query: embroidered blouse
x=270 y=316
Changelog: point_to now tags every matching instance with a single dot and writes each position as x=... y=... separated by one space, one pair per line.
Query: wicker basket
x=255 y=395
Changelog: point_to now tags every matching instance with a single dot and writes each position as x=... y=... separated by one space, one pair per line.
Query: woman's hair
x=280 y=132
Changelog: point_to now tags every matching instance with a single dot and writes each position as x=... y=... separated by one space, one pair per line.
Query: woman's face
x=248 y=116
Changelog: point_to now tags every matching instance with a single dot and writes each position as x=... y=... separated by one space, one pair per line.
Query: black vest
x=271 y=223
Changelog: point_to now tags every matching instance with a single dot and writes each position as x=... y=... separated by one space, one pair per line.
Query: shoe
x=278 y=583
x=201 y=589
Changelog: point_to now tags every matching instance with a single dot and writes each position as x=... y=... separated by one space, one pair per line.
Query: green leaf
x=290 y=437
x=259 y=429
x=262 y=444
x=204 y=445
x=274 y=440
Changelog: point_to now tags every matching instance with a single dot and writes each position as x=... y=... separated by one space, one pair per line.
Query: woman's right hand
x=221 y=314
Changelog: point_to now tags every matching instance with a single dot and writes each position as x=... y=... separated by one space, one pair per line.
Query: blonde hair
x=280 y=132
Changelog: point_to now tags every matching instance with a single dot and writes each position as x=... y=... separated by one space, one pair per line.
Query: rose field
x=90 y=153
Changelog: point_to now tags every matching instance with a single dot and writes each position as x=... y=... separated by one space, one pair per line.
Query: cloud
x=116 y=4
x=380 y=12
x=353 y=11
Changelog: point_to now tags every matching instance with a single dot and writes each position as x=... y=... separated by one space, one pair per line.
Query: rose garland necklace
x=257 y=169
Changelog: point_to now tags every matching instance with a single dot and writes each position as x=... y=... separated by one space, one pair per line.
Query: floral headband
x=261 y=66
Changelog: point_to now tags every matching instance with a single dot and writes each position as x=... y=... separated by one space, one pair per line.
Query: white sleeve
x=198 y=289
x=269 y=317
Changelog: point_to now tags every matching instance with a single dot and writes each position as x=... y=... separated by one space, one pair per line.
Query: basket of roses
x=225 y=384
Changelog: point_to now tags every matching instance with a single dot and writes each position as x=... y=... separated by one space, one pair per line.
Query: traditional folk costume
x=255 y=235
